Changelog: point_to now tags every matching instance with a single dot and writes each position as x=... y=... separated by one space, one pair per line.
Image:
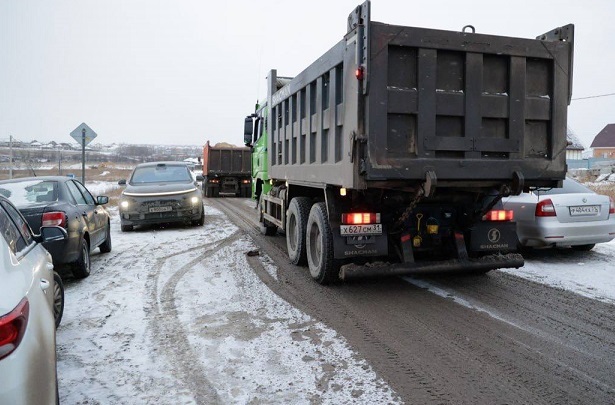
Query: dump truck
x=226 y=171
x=391 y=152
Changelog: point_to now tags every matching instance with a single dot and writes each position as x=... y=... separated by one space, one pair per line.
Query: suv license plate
x=371 y=229
x=160 y=209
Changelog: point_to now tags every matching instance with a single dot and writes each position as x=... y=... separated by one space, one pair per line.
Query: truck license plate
x=371 y=229
x=160 y=209
x=584 y=210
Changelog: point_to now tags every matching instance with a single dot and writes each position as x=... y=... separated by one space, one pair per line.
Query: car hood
x=15 y=283
x=158 y=189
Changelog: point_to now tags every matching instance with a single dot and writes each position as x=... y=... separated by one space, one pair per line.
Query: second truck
x=226 y=171
x=391 y=152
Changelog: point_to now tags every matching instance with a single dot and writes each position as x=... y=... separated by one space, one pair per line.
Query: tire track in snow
x=166 y=327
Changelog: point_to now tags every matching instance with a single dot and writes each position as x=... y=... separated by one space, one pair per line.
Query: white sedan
x=31 y=306
x=572 y=216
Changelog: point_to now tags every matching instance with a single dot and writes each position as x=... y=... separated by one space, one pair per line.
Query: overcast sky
x=188 y=71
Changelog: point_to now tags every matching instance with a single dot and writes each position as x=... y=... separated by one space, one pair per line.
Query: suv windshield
x=161 y=173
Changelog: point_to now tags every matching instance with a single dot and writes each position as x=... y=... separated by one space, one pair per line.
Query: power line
x=600 y=95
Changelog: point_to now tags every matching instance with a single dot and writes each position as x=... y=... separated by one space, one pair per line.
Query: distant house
x=574 y=151
x=604 y=143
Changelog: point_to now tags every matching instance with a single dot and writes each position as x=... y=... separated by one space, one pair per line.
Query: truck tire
x=296 y=225
x=319 y=246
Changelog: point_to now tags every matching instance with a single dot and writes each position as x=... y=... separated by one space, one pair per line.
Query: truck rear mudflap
x=457 y=266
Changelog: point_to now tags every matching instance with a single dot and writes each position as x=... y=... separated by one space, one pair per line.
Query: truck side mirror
x=248 y=130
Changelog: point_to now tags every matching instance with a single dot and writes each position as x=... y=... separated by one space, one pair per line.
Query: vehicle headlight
x=124 y=204
x=194 y=200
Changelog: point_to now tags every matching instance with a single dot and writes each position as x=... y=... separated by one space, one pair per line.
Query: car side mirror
x=51 y=234
x=102 y=199
x=122 y=182
x=199 y=177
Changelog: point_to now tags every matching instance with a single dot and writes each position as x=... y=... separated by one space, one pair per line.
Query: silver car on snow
x=31 y=306
x=572 y=216
x=161 y=192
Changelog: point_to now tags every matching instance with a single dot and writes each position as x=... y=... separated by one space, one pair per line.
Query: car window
x=569 y=187
x=21 y=223
x=10 y=232
x=74 y=191
x=86 y=194
x=28 y=192
x=161 y=173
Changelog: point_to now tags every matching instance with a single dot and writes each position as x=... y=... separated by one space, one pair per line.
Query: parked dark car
x=161 y=192
x=65 y=202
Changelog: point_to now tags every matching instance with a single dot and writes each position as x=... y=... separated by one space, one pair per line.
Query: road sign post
x=84 y=135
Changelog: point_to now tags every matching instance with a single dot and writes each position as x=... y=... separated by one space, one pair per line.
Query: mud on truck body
x=390 y=153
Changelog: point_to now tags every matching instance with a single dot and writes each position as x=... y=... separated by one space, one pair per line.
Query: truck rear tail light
x=54 y=219
x=612 y=206
x=13 y=327
x=545 y=208
x=499 y=215
x=359 y=218
x=246 y=181
x=359 y=73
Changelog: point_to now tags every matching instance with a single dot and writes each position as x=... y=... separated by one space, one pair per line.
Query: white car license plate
x=371 y=229
x=584 y=210
x=160 y=209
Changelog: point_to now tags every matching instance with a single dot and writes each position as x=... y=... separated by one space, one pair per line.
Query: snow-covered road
x=178 y=315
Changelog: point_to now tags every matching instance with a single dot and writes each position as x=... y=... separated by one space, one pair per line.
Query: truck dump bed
x=226 y=160
x=388 y=104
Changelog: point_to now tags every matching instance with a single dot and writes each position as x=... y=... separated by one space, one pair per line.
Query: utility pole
x=83 y=156
x=10 y=156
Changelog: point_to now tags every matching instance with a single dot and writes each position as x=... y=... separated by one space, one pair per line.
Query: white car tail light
x=612 y=206
x=12 y=328
x=545 y=208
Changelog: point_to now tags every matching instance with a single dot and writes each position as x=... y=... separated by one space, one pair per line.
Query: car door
x=99 y=215
x=86 y=211
x=29 y=256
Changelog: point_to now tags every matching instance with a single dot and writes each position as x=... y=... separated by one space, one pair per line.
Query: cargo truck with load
x=391 y=152
x=226 y=170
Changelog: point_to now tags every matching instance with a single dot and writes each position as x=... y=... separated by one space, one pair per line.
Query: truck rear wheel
x=296 y=224
x=319 y=245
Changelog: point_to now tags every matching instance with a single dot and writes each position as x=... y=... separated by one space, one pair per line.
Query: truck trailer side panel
x=467 y=107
